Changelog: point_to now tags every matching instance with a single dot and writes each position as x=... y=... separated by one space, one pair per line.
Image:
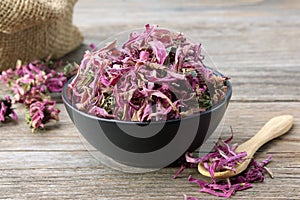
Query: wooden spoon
x=276 y=127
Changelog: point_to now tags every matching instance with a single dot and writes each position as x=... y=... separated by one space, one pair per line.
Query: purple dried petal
x=56 y=83
x=211 y=169
x=218 y=194
x=144 y=56
x=14 y=115
x=230 y=138
x=159 y=50
x=3 y=110
x=201 y=183
x=190 y=159
x=233 y=159
x=189 y=198
x=8 y=76
x=6 y=109
x=182 y=168
x=92 y=46
x=266 y=161
x=100 y=112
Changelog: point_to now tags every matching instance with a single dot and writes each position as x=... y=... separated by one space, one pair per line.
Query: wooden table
x=256 y=43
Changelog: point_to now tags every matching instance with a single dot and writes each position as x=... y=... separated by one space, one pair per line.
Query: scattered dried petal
x=189 y=198
x=223 y=157
x=6 y=110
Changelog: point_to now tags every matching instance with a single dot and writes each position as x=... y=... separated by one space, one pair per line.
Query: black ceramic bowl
x=142 y=144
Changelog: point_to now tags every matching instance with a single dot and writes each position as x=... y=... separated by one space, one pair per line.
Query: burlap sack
x=35 y=29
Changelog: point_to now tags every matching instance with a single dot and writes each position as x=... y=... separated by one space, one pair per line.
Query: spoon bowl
x=274 y=128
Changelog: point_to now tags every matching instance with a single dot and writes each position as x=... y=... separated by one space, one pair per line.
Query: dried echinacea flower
x=155 y=75
x=6 y=110
x=32 y=85
x=40 y=113
x=224 y=158
x=34 y=76
x=226 y=188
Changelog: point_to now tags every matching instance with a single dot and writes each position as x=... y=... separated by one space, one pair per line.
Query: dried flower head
x=32 y=84
x=40 y=113
x=6 y=110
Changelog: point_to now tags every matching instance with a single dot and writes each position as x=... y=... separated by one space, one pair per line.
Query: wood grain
x=255 y=42
x=55 y=165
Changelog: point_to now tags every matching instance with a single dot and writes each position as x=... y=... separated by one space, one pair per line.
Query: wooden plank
x=171 y=12
x=246 y=27
x=96 y=181
x=54 y=164
x=265 y=84
x=24 y=160
x=247 y=44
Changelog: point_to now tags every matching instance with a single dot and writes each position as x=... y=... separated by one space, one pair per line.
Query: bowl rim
x=216 y=107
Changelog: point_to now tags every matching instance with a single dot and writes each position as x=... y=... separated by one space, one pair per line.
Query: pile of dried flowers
x=32 y=85
x=155 y=75
x=222 y=158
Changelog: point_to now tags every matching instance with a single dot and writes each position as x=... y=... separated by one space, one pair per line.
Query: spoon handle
x=274 y=128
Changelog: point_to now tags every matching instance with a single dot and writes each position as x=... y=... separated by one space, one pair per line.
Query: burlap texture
x=35 y=29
